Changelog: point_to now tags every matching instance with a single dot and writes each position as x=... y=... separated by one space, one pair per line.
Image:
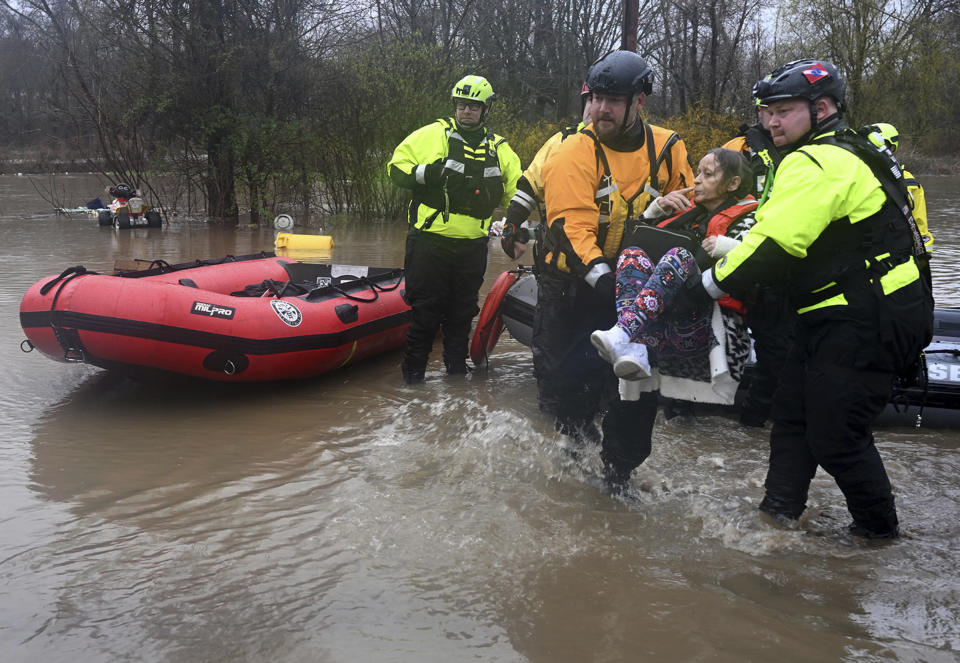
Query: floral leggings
x=645 y=291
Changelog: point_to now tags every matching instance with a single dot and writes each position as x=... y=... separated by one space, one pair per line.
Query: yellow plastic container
x=292 y=241
x=306 y=255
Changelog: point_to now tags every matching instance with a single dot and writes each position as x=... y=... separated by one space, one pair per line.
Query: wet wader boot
x=856 y=529
x=456 y=366
x=413 y=372
x=627 y=431
x=582 y=433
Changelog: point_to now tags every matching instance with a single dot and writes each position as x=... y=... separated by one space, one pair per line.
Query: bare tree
x=702 y=49
x=257 y=102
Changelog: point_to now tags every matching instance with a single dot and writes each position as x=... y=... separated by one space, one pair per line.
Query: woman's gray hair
x=734 y=164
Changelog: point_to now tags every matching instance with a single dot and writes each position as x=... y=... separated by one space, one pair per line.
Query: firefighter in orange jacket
x=595 y=181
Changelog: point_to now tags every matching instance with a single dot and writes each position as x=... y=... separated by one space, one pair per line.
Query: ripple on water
x=356 y=518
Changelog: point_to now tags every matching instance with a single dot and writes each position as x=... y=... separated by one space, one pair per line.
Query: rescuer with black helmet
x=458 y=171
x=620 y=74
x=809 y=80
x=597 y=182
x=838 y=233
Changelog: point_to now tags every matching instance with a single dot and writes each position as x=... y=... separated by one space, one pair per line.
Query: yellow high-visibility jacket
x=817 y=186
x=492 y=157
x=919 y=202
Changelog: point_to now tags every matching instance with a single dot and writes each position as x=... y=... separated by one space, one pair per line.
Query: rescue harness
x=553 y=242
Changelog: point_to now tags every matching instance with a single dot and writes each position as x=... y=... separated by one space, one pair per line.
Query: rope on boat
x=375 y=288
x=160 y=264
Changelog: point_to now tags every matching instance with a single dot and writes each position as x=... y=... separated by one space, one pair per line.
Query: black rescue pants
x=771 y=320
x=574 y=384
x=443 y=279
x=837 y=379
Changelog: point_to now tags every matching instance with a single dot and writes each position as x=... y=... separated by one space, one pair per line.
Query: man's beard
x=609 y=129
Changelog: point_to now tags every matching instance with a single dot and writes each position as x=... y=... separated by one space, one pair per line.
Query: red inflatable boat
x=238 y=319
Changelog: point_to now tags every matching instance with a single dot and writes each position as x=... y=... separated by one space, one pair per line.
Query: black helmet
x=808 y=79
x=622 y=73
x=122 y=191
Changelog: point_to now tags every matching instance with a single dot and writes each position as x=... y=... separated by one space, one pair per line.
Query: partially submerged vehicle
x=933 y=401
x=128 y=210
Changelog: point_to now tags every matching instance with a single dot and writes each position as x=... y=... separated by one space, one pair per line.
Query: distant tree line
x=297 y=104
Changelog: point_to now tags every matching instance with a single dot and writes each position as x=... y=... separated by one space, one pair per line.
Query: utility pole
x=631 y=12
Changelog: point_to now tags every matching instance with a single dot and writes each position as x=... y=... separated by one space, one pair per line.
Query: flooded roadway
x=353 y=518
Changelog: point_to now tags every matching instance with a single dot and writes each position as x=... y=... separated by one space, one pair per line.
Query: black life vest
x=846 y=251
x=480 y=189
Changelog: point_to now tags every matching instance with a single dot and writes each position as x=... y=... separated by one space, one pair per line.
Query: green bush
x=703 y=129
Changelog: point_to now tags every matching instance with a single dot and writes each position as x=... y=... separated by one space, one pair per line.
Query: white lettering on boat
x=213 y=310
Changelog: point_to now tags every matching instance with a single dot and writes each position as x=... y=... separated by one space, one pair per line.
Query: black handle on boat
x=29 y=345
x=76 y=271
x=160 y=264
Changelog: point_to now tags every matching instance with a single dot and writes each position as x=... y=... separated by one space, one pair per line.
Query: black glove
x=513 y=232
x=433 y=174
x=606 y=287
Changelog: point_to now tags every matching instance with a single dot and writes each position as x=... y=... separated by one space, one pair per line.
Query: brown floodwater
x=352 y=518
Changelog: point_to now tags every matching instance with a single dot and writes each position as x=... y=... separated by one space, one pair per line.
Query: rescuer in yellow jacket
x=594 y=182
x=458 y=171
x=529 y=195
x=837 y=230
x=918 y=199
